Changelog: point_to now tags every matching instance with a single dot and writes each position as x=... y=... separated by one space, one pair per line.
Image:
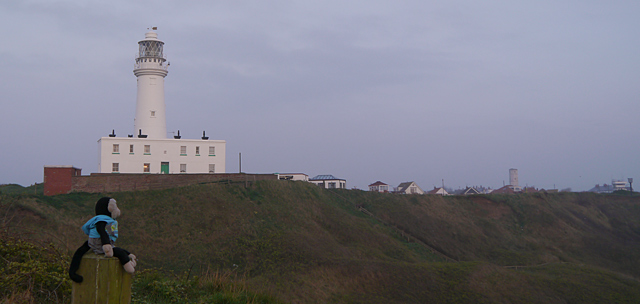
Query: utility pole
x=240 y=159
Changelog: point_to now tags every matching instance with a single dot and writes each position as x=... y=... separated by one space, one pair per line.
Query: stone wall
x=116 y=182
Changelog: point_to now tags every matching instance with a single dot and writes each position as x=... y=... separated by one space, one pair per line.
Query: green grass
x=295 y=242
x=583 y=284
x=31 y=273
x=37 y=189
x=155 y=287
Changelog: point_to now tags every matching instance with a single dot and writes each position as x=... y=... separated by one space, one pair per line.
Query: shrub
x=31 y=273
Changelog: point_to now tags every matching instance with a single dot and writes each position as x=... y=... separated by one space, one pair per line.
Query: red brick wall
x=115 y=182
x=58 y=180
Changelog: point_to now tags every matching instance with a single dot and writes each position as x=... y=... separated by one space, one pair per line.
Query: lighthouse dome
x=151 y=35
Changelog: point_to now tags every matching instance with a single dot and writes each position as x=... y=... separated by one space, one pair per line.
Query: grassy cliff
x=303 y=244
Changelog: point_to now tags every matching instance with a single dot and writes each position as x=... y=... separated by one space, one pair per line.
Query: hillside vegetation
x=302 y=244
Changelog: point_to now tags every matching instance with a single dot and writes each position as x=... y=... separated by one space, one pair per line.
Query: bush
x=32 y=274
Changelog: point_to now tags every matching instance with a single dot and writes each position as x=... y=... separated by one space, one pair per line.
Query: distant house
x=329 y=182
x=615 y=186
x=483 y=189
x=409 y=188
x=470 y=191
x=438 y=191
x=602 y=189
x=504 y=190
x=293 y=176
x=379 y=187
x=619 y=185
x=529 y=190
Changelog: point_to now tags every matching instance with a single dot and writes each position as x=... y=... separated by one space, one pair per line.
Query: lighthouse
x=150 y=69
x=148 y=150
x=513 y=180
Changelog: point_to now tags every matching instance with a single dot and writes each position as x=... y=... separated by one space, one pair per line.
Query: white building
x=616 y=185
x=329 y=181
x=149 y=150
x=409 y=188
x=140 y=155
x=438 y=191
x=293 y=176
x=513 y=180
x=379 y=186
x=619 y=185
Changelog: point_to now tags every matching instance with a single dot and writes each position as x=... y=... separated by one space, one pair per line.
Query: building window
x=212 y=151
x=183 y=168
x=147 y=149
x=147 y=168
x=130 y=149
x=332 y=185
x=183 y=150
x=116 y=149
x=212 y=168
x=115 y=167
x=153 y=113
x=197 y=151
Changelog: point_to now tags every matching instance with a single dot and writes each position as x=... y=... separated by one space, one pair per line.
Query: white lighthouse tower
x=148 y=150
x=150 y=69
x=513 y=180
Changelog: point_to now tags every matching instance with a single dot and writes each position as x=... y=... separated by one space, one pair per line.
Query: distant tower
x=513 y=178
x=150 y=68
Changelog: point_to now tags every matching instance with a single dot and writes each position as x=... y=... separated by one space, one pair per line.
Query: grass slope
x=304 y=244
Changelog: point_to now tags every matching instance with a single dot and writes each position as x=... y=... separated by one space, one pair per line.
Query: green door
x=164 y=168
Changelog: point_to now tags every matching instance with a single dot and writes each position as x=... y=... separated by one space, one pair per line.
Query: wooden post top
x=104 y=281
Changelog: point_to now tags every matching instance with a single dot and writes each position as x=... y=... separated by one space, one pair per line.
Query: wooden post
x=105 y=281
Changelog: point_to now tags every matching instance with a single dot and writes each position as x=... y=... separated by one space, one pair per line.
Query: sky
x=428 y=91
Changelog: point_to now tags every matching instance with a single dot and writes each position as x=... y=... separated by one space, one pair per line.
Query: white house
x=144 y=155
x=409 y=188
x=438 y=191
x=329 y=181
x=470 y=191
x=293 y=176
x=149 y=150
x=379 y=186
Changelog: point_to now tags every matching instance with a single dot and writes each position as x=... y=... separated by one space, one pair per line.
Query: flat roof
x=64 y=166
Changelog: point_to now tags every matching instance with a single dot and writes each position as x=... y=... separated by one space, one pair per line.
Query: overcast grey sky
x=365 y=90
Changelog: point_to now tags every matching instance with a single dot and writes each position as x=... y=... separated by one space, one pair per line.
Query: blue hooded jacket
x=111 y=228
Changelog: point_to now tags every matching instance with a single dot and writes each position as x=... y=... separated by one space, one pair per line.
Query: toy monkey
x=102 y=230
